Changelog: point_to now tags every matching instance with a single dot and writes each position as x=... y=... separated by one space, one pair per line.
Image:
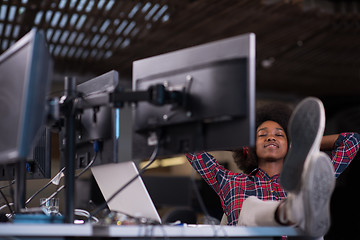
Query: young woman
x=284 y=181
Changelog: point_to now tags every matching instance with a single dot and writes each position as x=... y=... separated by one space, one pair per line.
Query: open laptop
x=134 y=200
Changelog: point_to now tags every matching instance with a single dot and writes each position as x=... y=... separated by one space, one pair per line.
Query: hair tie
x=245 y=151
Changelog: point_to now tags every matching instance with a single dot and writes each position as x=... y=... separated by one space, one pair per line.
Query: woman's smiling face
x=271 y=142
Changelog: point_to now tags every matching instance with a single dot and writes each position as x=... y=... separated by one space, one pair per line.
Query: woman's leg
x=256 y=212
x=307 y=208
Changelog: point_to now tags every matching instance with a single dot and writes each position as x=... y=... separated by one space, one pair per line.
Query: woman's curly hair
x=245 y=157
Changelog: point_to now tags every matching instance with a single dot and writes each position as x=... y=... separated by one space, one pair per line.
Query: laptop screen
x=134 y=200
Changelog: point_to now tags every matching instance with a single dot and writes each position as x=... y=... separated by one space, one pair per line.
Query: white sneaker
x=305 y=131
x=309 y=208
x=307 y=174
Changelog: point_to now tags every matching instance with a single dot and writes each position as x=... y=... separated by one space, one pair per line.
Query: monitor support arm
x=155 y=94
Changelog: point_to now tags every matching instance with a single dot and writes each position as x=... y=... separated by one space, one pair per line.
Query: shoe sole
x=306 y=127
x=318 y=183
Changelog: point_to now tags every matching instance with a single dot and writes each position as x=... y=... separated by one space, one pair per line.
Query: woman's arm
x=328 y=142
x=344 y=151
x=209 y=169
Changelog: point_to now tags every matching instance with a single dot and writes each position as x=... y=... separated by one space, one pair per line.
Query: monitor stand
x=20 y=185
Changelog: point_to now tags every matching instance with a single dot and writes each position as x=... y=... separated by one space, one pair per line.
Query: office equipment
x=217 y=111
x=110 y=127
x=25 y=70
x=201 y=98
x=134 y=200
x=38 y=163
x=147 y=231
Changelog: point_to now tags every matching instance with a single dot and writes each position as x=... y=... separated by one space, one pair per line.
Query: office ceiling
x=304 y=47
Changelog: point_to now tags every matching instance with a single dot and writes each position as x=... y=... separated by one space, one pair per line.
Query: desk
x=58 y=231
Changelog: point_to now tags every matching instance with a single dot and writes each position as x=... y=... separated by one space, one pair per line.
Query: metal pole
x=70 y=93
x=20 y=185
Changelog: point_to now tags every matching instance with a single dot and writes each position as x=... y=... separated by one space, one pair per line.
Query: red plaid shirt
x=234 y=188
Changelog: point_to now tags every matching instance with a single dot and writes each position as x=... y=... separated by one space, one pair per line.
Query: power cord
x=7 y=202
x=96 y=150
x=5 y=198
x=53 y=180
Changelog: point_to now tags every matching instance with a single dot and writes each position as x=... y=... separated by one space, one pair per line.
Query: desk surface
x=164 y=231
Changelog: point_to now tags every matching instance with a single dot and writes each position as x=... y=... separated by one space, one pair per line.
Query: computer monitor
x=219 y=81
x=38 y=163
x=101 y=123
x=25 y=70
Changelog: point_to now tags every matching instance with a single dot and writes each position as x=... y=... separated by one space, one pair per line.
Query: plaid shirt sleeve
x=346 y=148
x=210 y=170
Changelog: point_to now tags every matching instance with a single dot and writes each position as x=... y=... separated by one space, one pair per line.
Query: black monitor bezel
x=37 y=82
